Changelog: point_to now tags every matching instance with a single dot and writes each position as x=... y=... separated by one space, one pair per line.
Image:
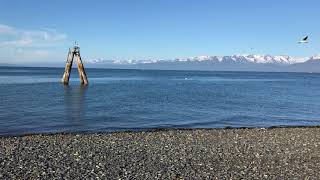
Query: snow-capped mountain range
x=259 y=59
x=267 y=63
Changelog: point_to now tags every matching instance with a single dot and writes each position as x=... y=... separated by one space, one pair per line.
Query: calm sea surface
x=33 y=101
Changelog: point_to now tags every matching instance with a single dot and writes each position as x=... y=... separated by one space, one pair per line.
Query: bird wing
x=305 y=38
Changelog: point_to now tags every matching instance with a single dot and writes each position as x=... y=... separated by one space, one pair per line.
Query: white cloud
x=40 y=53
x=36 y=54
x=37 y=38
x=16 y=43
x=46 y=36
x=4 y=29
x=21 y=45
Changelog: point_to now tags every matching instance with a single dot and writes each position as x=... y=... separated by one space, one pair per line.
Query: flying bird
x=304 y=40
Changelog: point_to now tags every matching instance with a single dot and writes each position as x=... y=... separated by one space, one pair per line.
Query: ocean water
x=34 y=101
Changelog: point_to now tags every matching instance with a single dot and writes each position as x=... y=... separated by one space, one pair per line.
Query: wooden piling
x=82 y=73
x=67 y=70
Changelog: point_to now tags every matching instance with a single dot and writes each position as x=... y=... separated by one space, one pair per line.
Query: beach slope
x=283 y=153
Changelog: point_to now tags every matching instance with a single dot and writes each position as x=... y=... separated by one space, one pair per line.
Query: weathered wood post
x=67 y=70
x=81 y=71
x=75 y=51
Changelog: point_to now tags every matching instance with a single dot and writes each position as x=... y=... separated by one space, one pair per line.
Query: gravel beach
x=275 y=153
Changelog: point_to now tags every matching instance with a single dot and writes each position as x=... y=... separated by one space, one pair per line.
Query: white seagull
x=304 y=40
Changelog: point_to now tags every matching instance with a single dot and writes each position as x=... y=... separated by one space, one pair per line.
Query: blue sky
x=37 y=31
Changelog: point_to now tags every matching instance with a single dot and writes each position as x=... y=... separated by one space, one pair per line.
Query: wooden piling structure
x=74 y=52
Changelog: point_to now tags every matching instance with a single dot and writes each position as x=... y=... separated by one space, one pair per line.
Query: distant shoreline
x=290 y=152
x=155 y=69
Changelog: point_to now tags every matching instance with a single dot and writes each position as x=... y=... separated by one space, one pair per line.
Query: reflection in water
x=75 y=104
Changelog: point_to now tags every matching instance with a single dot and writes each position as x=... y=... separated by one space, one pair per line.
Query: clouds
x=16 y=42
x=29 y=38
x=4 y=29
x=33 y=54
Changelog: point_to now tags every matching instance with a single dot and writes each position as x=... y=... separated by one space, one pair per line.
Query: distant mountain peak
x=316 y=57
